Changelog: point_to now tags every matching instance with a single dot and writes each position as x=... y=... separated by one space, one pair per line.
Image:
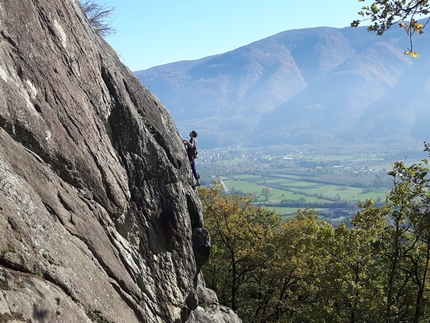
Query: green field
x=311 y=191
x=285 y=181
x=298 y=194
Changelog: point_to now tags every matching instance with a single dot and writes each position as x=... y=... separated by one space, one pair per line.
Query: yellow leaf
x=414 y=54
x=407 y=52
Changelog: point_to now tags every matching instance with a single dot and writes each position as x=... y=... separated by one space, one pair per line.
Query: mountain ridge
x=271 y=89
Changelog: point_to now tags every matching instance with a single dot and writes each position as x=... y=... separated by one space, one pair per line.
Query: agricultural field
x=286 y=196
x=286 y=181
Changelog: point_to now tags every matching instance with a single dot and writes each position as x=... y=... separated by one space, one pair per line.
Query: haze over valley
x=317 y=87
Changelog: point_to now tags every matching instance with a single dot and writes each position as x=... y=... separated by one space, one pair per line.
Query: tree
x=266 y=192
x=378 y=270
x=410 y=202
x=401 y=230
x=383 y=14
x=261 y=266
x=242 y=241
x=99 y=16
x=306 y=270
x=297 y=270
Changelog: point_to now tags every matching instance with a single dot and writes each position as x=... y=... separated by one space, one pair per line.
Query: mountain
x=99 y=217
x=307 y=86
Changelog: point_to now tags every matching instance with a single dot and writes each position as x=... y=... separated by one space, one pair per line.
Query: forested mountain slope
x=301 y=86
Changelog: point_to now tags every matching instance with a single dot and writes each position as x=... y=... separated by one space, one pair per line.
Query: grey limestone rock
x=97 y=211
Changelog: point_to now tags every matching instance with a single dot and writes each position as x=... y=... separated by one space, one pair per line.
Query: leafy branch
x=383 y=14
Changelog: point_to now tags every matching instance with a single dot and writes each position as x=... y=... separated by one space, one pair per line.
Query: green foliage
x=242 y=237
x=4 y=285
x=95 y=317
x=306 y=270
x=383 y=14
x=408 y=243
x=266 y=192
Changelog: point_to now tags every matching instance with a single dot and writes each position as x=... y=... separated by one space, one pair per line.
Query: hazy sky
x=156 y=32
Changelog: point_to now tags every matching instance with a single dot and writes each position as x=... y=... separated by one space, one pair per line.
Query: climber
x=191 y=147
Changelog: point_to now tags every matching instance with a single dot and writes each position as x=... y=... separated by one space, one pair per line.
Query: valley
x=286 y=178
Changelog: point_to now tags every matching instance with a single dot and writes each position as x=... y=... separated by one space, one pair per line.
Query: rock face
x=99 y=221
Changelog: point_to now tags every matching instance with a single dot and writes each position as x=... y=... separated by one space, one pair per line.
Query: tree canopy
x=303 y=269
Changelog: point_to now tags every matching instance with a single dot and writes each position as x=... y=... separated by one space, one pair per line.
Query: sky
x=156 y=32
